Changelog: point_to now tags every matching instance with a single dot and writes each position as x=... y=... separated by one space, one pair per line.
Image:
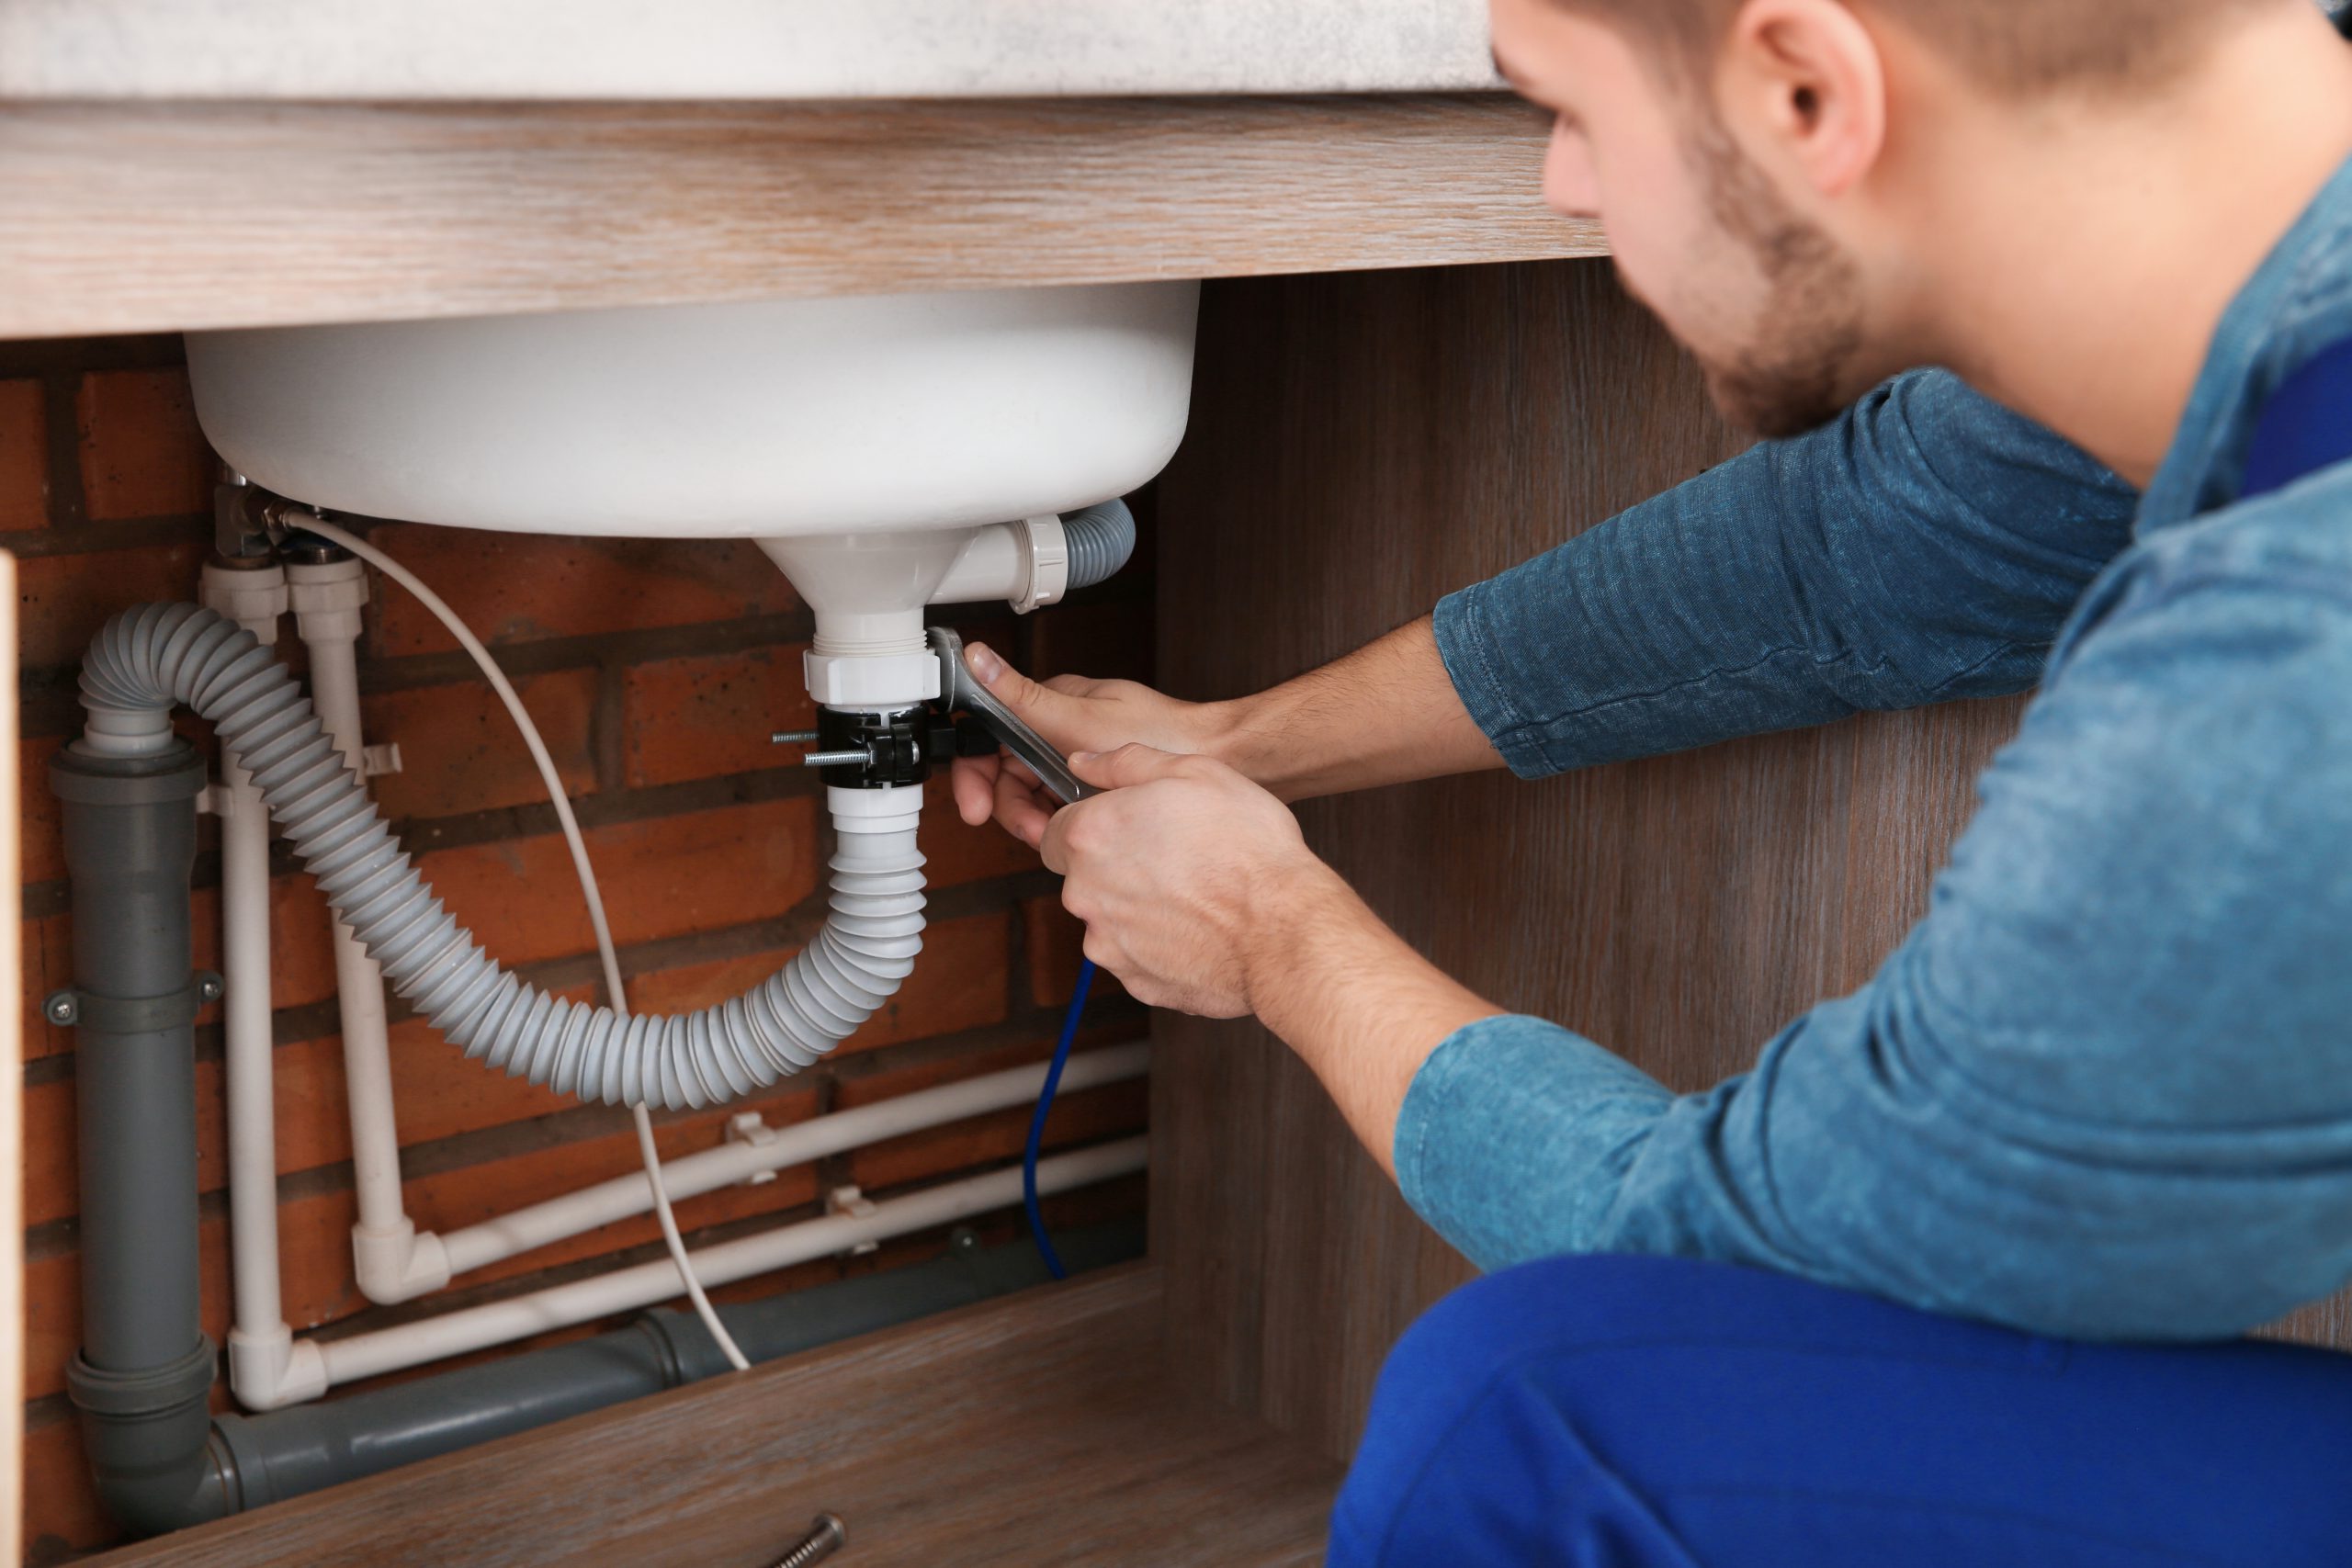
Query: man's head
x=1769 y=170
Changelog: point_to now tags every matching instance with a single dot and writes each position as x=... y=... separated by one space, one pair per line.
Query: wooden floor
x=1034 y=1430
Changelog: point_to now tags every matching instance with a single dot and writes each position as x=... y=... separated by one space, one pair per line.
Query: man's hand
x=1074 y=715
x=1199 y=892
x=1186 y=874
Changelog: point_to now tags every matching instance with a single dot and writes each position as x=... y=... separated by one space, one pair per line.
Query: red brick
x=301 y=943
x=43 y=842
x=955 y=855
x=24 y=456
x=705 y=717
x=52 y=1321
x=48 y=1154
x=1055 y=942
x=958 y=983
x=315 y=1280
x=62 y=1512
x=142 y=455
x=529 y=587
x=460 y=751
x=667 y=876
x=61 y=601
x=1106 y=642
x=48 y=965
x=454 y=1199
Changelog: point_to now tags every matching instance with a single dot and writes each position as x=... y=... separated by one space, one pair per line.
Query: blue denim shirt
x=2104 y=1088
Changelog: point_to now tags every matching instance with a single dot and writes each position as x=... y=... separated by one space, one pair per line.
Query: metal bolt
x=62 y=1007
x=794 y=738
x=210 y=987
x=857 y=759
x=825 y=1536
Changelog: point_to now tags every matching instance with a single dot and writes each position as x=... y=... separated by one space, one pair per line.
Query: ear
x=1805 y=82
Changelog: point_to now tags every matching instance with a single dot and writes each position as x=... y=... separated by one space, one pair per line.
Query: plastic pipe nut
x=328 y=598
x=1046 y=551
x=874 y=682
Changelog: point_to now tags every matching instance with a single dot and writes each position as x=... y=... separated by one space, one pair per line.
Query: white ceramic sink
x=872 y=445
x=776 y=419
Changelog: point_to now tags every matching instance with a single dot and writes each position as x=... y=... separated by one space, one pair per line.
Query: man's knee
x=1450 y=1411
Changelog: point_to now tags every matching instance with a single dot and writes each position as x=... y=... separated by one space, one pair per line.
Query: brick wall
x=656 y=673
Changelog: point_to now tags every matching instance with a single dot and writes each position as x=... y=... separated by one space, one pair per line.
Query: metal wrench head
x=959 y=690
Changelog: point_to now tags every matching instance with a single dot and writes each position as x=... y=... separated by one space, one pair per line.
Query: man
x=2103 y=1092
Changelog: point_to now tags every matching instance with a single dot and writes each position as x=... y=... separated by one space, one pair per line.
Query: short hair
x=2011 y=46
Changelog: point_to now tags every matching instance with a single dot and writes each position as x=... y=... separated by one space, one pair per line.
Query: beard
x=1797 y=372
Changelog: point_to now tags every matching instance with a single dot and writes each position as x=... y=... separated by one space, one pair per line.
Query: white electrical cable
x=579 y=847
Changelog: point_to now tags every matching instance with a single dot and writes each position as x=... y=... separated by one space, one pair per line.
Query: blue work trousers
x=1659 y=1413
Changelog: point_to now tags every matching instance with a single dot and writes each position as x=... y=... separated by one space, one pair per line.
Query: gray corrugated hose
x=1099 y=539
x=149 y=658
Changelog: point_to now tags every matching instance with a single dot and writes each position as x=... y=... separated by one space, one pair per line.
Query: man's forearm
x=1359 y=1006
x=1386 y=713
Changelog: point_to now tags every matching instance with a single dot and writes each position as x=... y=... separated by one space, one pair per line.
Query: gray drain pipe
x=307 y=1446
x=144 y=1372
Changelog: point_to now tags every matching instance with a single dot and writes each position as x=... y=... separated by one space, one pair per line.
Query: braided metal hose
x=149 y=658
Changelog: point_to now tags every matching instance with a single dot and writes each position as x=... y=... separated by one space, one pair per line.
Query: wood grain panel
x=1032 y=1430
x=1360 y=448
x=124 y=217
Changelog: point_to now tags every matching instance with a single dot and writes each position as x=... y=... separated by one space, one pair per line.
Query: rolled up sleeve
x=1928 y=545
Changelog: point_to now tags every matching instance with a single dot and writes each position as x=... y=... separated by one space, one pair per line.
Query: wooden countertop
x=125 y=217
x=158 y=217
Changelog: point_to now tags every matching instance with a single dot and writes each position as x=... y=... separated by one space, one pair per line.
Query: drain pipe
x=289 y=1452
x=392 y=1259
x=145 y=1374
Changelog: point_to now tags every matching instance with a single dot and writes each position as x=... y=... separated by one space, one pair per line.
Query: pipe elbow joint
x=398 y=1263
x=149 y=1437
x=272 y=1369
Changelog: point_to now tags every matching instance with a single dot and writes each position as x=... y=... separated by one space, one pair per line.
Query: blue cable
x=1038 y=1120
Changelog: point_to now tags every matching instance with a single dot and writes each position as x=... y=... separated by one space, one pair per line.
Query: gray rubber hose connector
x=149 y=658
x=1099 y=539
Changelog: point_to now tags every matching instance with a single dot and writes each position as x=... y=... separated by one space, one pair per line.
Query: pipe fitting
x=270 y=1368
x=327 y=597
x=252 y=594
x=148 y=1433
x=398 y=1263
x=1034 y=562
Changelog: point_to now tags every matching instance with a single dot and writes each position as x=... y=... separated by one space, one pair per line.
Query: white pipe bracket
x=751 y=1127
x=848 y=1202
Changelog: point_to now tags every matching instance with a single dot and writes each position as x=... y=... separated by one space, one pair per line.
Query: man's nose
x=1569 y=184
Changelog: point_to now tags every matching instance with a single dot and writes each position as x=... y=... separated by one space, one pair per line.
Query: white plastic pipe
x=391 y=1260
x=575 y=1214
x=266 y=1366
x=245 y=971
x=625 y=1290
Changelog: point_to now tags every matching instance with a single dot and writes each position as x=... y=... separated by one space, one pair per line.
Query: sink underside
x=775 y=418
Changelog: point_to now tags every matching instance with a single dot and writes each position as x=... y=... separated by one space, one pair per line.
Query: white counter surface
x=734 y=49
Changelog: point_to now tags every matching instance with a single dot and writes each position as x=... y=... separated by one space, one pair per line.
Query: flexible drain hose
x=1099 y=539
x=147 y=658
